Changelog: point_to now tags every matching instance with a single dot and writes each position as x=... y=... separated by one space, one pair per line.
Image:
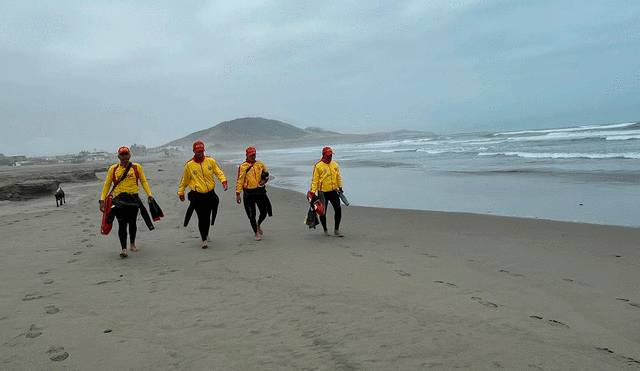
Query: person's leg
x=250 y=210
x=214 y=201
x=334 y=198
x=122 y=230
x=133 y=228
x=263 y=206
x=323 y=218
x=203 y=213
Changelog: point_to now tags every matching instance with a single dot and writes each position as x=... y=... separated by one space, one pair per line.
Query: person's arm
x=240 y=182
x=264 y=181
x=220 y=175
x=184 y=182
x=143 y=180
x=338 y=178
x=315 y=180
x=107 y=184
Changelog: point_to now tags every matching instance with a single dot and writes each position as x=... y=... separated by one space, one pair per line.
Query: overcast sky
x=85 y=75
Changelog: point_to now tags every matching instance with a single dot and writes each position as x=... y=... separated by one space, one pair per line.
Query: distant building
x=138 y=150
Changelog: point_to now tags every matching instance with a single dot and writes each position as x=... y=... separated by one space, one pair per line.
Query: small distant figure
x=60 y=197
x=327 y=181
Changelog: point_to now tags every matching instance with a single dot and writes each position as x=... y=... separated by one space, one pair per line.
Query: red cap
x=198 y=146
x=251 y=151
x=124 y=149
x=327 y=151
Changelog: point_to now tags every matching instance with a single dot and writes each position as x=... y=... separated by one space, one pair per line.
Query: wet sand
x=404 y=289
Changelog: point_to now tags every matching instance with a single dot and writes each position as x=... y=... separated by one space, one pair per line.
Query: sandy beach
x=403 y=290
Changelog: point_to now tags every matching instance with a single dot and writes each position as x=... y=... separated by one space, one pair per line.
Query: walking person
x=198 y=175
x=327 y=182
x=126 y=175
x=252 y=177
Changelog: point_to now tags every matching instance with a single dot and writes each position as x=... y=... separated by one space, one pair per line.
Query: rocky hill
x=256 y=130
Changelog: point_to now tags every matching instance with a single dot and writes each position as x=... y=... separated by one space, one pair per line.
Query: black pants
x=206 y=207
x=258 y=198
x=326 y=197
x=127 y=220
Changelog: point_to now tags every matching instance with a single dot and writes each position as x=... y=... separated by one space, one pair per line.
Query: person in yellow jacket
x=327 y=182
x=252 y=177
x=198 y=175
x=126 y=201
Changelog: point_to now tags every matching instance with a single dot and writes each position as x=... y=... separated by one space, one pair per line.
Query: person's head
x=251 y=153
x=124 y=154
x=327 y=153
x=198 y=149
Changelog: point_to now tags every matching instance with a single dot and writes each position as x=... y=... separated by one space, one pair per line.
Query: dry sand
x=403 y=290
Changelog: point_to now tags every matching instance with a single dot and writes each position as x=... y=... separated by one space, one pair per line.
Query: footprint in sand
x=30 y=297
x=44 y=272
x=51 y=309
x=356 y=255
x=402 y=273
x=33 y=332
x=484 y=302
x=619 y=357
x=57 y=354
x=448 y=284
x=244 y=251
x=555 y=323
x=48 y=282
x=429 y=255
x=77 y=253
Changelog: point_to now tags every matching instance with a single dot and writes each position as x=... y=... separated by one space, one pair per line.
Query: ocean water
x=588 y=174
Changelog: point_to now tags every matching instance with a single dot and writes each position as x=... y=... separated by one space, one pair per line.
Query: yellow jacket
x=129 y=184
x=326 y=177
x=250 y=179
x=199 y=176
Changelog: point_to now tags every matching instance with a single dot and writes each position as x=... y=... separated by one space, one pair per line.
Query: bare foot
x=337 y=233
x=204 y=244
x=327 y=234
x=123 y=254
x=133 y=248
x=260 y=231
x=258 y=236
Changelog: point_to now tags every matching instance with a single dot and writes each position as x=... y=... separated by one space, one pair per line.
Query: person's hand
x=224 y=185
x=149 y=199
x=101 y=207
x=311 y=195
x=340 y=188
x=181 y=197
x=238 y=198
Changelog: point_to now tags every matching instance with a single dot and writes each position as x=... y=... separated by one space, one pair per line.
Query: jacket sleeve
x=184 y=182
x=107 y=183
x=218 y=172
x=241 y=175
x=315 y=179
x=338 y=177
x=143 y=180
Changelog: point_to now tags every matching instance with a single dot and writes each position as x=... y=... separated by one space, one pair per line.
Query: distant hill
x=254 y=130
